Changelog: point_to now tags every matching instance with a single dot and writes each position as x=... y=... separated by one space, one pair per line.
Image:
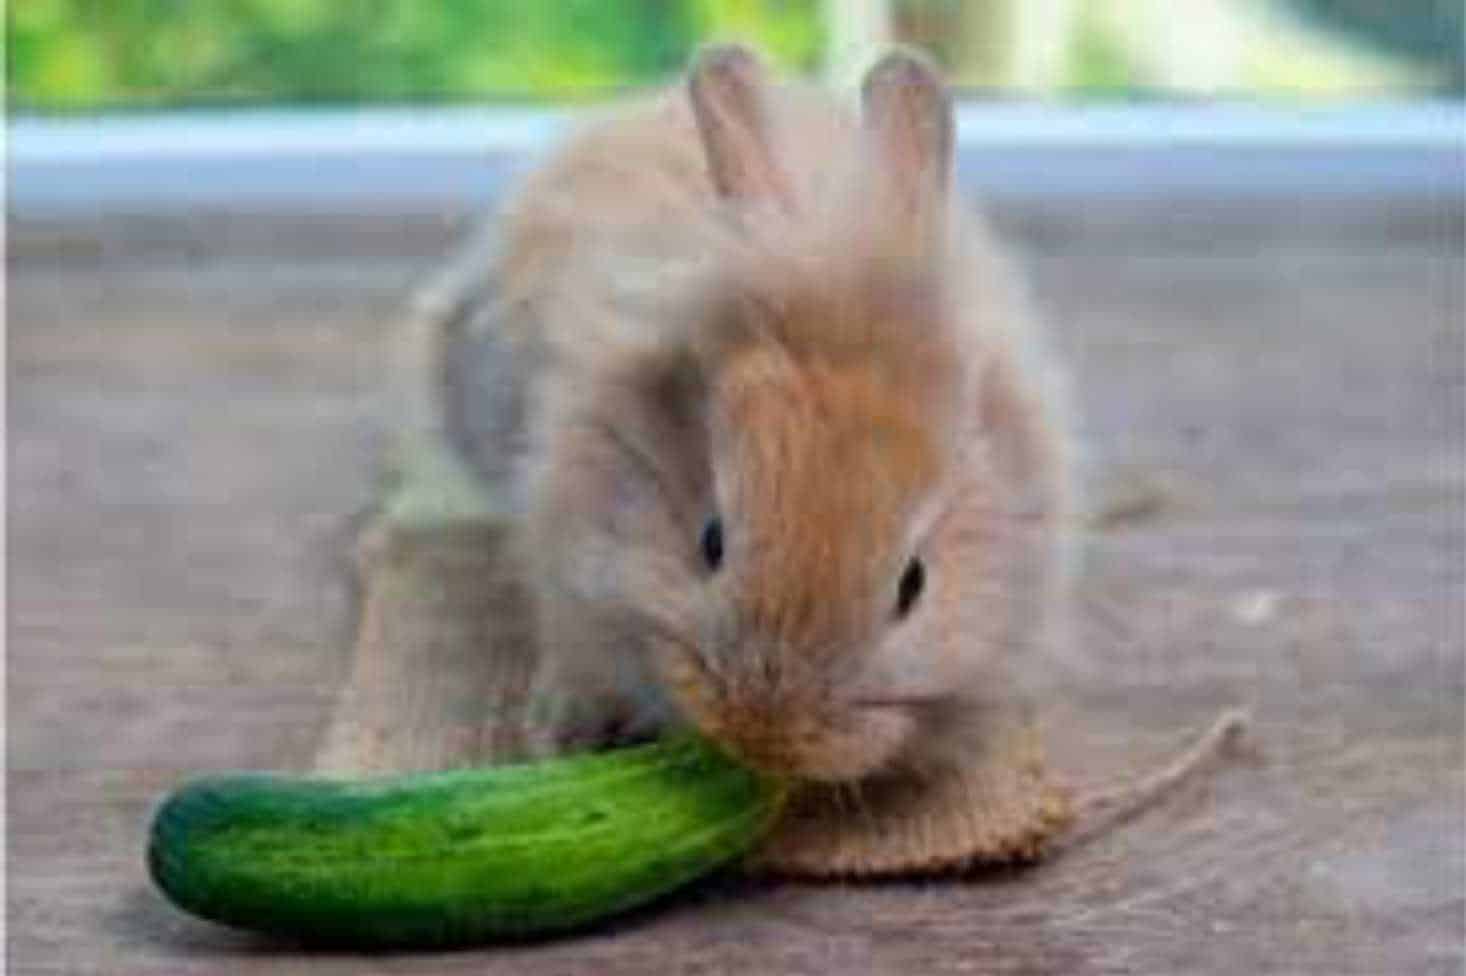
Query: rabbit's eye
x=712 y=543
x=908 y=591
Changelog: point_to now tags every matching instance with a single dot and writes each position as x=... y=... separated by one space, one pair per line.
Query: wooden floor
x=1276 y=423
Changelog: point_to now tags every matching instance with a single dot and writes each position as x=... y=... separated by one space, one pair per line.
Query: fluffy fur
x=745 y=300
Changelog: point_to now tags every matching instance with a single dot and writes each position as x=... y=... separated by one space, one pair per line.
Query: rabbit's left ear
x=908 y=119
x=728 y=86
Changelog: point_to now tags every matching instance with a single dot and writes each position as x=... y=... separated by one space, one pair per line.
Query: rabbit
x=796 y=470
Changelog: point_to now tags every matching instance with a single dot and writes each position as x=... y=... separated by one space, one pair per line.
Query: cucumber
x=456 y=857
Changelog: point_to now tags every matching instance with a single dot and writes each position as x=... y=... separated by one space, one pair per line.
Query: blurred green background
x=66 y=55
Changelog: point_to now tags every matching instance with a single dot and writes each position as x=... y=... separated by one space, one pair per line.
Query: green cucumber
x=456 y=857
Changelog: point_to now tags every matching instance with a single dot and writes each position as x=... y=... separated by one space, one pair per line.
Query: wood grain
x=191 y=443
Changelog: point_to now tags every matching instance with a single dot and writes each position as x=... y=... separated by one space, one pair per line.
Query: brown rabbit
x=794 y=473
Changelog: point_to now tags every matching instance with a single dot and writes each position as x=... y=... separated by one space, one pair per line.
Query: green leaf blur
x=71 y=54
x=66 y=55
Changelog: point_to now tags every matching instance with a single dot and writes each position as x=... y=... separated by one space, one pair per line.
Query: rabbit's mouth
x=828 y=747
x=785 y=726
x=913 y=700
x=803 y=739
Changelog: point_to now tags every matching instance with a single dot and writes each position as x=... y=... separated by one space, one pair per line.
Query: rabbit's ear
x=908 y=119
x=727 y=84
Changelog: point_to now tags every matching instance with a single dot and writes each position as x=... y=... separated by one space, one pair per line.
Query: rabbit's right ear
x=727 y=85
x=908 y=118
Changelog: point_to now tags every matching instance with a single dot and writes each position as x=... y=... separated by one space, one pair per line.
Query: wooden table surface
x=1275 y=418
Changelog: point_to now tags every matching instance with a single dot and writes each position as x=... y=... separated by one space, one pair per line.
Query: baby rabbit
x=794 y=471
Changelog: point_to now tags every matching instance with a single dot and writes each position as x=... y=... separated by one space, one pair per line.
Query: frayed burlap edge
x=1000 y=808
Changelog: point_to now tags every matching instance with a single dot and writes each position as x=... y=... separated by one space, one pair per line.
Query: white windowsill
x=340 y=159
